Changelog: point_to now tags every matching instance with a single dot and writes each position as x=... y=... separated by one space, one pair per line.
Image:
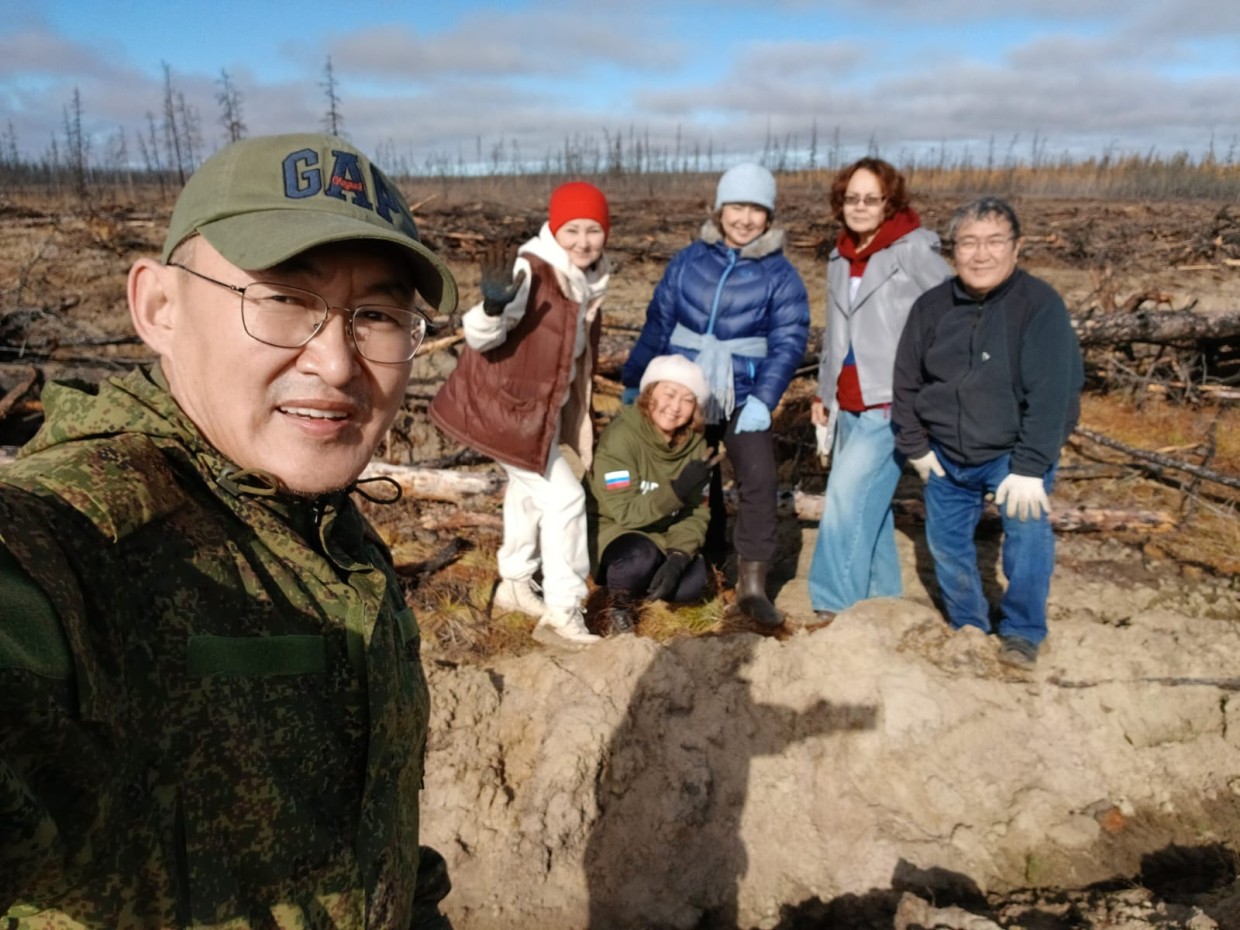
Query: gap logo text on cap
x=304 y=177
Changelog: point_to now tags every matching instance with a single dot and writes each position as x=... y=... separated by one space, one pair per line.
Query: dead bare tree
x=77 y=144
x=173 y=141
x=148 y=148
x=229 y=99
x=187 y=115
x=333 y=120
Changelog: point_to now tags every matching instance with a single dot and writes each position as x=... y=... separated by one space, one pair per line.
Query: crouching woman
x=647 y=507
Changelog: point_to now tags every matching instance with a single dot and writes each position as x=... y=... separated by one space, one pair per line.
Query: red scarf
x=899 y=224
x=848 y=386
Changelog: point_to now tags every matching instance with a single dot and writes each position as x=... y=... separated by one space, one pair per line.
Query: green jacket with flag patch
x=630 y=487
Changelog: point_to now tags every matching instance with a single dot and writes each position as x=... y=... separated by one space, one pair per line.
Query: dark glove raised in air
x=499 y=286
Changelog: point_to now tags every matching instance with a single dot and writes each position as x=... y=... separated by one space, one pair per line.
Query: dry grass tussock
x=453 y=601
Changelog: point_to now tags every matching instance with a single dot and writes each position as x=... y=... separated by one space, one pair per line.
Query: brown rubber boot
x=751 y=599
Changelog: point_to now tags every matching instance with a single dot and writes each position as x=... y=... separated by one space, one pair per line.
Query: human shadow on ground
x=876 y=908
x=667 y=849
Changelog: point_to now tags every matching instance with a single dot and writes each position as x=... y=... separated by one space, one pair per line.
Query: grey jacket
x=894 y=278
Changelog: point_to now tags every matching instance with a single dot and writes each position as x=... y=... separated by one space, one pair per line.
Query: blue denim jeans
x=855 y=556
x=953 y=508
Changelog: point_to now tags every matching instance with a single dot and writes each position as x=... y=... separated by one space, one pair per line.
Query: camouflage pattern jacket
x=213 y=708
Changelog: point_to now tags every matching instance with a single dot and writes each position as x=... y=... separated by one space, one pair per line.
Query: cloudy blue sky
x=452 y=79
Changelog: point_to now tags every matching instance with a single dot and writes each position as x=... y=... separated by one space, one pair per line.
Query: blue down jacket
x=711 y=288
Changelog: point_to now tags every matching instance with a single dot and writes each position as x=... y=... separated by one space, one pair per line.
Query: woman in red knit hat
x=521 y=394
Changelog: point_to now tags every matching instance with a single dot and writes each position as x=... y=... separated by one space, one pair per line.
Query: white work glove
x=925 y=464
x=1025 y=497
x=820 y=438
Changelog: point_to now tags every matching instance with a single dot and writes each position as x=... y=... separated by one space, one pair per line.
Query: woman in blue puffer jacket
x=733 y=303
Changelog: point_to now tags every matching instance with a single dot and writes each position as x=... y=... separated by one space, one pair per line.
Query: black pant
x=630 y=561
x=753 y=462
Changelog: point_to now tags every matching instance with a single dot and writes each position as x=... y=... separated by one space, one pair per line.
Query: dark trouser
x=753 y=462
x=630 y=561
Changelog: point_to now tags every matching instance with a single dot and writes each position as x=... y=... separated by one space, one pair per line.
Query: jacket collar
x=768 y=243
x=962 y=296
x=140 y=402
x=581 y=285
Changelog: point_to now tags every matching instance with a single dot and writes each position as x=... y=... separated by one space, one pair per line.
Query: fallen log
x=456 y=487
x=462 y=520
x=1215 y=391
x=443 y=342
x=1064 y=519
x=1160 y=327
x=29 y=376
x=1157 y=458
x=441 y=484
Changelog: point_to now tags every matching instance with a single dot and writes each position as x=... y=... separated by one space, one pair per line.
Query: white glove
x=925 y=464
x=1025 y=497
x=820 y=437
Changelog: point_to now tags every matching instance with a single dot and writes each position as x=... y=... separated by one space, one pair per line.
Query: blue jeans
x=953 y=508
x=855 y=556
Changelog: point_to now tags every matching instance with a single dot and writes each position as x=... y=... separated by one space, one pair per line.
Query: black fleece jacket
x=982 y=377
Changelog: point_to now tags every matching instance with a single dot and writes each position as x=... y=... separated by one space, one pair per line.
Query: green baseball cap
x=261 y=201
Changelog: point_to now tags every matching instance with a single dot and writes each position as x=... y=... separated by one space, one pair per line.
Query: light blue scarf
x=715 y=359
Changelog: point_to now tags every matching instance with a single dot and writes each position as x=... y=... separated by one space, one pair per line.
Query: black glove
x=692 y=479
x=499 y=287
x=663 y=584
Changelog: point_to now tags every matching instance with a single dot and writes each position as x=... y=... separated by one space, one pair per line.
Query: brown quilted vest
x=506 y=402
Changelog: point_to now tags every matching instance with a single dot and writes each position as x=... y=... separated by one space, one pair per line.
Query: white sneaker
x=564 y=627
x=521 y=596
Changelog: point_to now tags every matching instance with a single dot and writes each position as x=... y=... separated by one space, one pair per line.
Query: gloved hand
x=1024 y=495
x=694 y=477
x=663 y=584
x=819 y=417
x=755 y=417
x=630 y=395
x=820 y=440
x=925 y=464
x=499 y=287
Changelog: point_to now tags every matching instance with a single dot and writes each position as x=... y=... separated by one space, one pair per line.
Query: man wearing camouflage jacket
x=214 y=712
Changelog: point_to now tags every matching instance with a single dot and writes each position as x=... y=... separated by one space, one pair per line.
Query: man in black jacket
x=987 y=389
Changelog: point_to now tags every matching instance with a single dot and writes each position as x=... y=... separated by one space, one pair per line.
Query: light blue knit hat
x=746 y=183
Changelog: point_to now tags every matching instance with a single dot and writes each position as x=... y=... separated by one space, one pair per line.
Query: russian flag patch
x=617 y=480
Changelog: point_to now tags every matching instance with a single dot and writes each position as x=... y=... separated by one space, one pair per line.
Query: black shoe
x=751 y=600
x=620 y=615
x=1017 y=652
x=622 y=619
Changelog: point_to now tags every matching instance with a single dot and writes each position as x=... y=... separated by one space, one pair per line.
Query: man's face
x=311 y=416
x=985 y=253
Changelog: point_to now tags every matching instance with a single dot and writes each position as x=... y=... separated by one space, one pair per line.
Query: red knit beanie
x=578 y=200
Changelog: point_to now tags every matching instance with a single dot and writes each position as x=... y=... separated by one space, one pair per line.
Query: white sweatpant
x=545 y=516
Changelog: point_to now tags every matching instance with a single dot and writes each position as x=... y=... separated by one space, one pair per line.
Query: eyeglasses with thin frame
x=992 y=244
x=289 y=317
x=869 y=200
